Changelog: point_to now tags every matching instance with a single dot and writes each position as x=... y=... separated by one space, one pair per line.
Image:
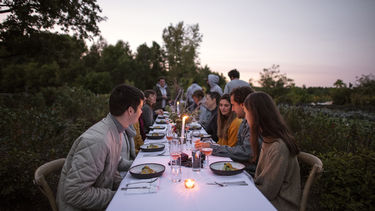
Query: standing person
x=163 y=94
x=213 y=82
x=212 y=101
x=90 y=176
x=189 y=92
x=277 y=175
x=234 y=82
x=242 y=151
x=227 y=122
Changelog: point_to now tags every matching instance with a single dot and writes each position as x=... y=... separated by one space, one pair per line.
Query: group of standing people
x=246 y=126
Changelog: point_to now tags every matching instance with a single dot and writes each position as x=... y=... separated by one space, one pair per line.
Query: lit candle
x=189 y=183
x=183 y=126
x=178 y=107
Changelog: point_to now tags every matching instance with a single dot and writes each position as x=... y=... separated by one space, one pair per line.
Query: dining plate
x=155 y=135
x=157 y=127
x=147 y=170
x=152 y=147
x=223 y=168
x=161 y=117
x=195 y=127
x=160 y=122
x=202 y=135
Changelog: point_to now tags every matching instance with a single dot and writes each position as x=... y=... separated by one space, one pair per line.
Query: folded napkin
x=141 y=187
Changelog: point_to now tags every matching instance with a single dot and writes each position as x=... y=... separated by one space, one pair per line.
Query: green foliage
x=345 y=146
x=39 y=128
x=26 y=17
x=348 y=181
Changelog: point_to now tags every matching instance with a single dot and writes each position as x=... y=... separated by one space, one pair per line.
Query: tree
x=26 y=17
x=339 y=84
x=275 y=83
x=181 y=45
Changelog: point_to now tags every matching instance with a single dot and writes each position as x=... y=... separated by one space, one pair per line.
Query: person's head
x=197 y=96
x=225 y=108
x=126 y=99
x=225 y=116
x=150 y=96
x=264 y=119
x=237 y=97
x=162 y=81
x=233 y=74
x=212 y=100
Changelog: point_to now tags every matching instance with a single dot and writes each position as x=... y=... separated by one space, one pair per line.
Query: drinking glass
x=175 y=153
x=207 y=151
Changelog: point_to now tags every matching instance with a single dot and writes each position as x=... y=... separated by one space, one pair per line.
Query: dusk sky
x=314 y=42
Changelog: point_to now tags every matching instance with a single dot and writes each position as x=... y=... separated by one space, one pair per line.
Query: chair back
x=316 y=170
x=40 y=179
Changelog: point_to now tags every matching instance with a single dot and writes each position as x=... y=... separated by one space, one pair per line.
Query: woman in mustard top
x=227 y=122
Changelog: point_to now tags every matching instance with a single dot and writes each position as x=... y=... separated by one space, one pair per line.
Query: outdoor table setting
x=170 y=174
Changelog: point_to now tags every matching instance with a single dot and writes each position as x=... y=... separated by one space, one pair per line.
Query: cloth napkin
x=151 y=187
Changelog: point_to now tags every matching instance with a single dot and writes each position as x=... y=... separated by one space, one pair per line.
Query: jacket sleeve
x=226 y=89
x=88 y=163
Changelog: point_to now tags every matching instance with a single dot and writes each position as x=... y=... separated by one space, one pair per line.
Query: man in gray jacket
x=90 y=177
x=234 y=82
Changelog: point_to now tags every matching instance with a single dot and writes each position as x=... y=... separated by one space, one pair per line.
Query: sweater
x=232 y=133
x=234 y=84
x=277 y=175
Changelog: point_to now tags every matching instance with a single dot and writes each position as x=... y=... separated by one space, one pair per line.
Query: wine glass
x=207 y=151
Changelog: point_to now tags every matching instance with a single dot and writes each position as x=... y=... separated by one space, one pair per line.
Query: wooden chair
x=315 y=172
x=40 y=179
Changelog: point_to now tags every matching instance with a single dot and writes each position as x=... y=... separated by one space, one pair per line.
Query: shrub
x=33 y=133
x=348 y=181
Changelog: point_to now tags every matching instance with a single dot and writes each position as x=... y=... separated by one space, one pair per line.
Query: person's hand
x=159 y=111
x=200 y=144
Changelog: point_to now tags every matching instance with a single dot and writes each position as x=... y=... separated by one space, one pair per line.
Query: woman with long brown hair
x=227 y=122
x=277 y=174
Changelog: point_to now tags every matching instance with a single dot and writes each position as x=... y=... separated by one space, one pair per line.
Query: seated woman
x=277 y=175
x=227 y=122
x=212 y=101
x=148 y=114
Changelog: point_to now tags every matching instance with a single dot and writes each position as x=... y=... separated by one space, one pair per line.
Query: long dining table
x=205 y=195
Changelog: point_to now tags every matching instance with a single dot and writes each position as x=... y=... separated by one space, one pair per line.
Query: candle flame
x=185 y=117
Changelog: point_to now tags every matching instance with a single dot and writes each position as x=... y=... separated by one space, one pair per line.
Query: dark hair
x=239 y=94
x=267 y=120
x=122 y=97
x=149 y=92
x=198 y=94
x=224 y=122
x=161 y=77
x=234 y=74
x=215 y=95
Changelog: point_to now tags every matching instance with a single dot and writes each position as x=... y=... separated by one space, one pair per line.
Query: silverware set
x=223 y=184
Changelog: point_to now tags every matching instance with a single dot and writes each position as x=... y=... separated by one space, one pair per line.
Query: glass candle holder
x=189 y=183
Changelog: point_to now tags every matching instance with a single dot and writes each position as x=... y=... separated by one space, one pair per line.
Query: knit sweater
x=277 y=175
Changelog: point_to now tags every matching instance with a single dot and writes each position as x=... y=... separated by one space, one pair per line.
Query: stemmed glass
x=207 y=151
x=175 y=153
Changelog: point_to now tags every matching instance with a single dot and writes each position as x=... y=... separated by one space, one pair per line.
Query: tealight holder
x=189 y=183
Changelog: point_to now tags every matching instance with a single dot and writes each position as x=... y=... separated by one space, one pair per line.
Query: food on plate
x=147 y=170
x=229 y=167
x=155 y=134
x=152 y=146
x=158 y=127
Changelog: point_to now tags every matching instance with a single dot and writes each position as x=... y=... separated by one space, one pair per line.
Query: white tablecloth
x=203 y=197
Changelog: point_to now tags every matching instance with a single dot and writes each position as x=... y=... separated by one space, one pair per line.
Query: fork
x=142 y=187
x=132 y=183
x=154 y=155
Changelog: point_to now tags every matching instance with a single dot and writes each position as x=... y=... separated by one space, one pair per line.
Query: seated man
x=89 y=177
x=242 y=151
x=212 y=101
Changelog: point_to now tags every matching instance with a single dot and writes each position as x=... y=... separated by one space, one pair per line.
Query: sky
x=315 y=42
